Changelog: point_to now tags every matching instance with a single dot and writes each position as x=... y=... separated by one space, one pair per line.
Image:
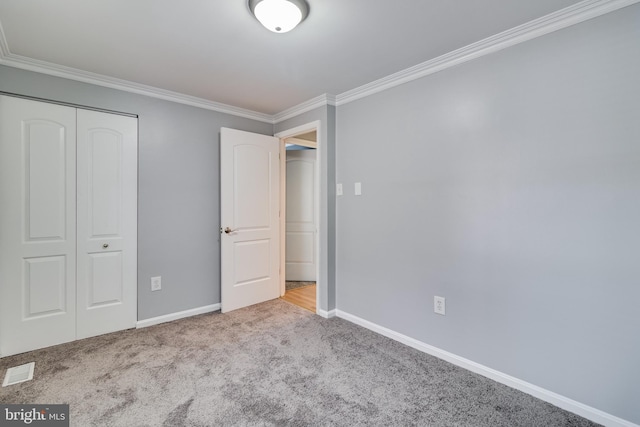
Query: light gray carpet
x=273 y=364
x=294 y=285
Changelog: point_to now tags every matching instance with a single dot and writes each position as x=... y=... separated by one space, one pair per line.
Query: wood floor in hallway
x=304 y=297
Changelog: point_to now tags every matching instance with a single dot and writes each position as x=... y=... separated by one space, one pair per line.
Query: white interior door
x=37 y=225
x=250 y=254
x=301 y=222
x=107 y=223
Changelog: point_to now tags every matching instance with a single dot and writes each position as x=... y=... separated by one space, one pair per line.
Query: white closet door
x=107 y=223
x=37 y=225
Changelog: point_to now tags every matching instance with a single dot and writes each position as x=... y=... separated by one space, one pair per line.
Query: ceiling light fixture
x=279 y=16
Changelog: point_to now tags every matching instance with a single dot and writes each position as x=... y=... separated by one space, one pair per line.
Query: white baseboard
x=326 y=314
x=563 y=402
x=175 y=316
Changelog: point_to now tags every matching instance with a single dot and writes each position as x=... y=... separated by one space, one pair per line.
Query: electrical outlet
x=438 y=305
x=156 y=283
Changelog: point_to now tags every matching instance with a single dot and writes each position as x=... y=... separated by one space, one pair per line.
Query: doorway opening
x=300 y=218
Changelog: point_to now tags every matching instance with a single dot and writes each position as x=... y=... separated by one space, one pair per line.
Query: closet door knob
x=105 y=246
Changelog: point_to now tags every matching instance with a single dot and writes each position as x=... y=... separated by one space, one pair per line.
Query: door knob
x=228 y=230
x=105 y=246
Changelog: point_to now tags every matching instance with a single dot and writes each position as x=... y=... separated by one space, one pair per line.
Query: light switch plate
x=338 y=189
x=358 y=189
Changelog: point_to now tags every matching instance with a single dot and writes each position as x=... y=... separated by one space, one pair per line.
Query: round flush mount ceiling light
x=279 y=16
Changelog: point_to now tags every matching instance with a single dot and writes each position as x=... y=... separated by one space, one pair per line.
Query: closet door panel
x=107 y=223
x=37 y=224
x=44 y=165
x=104 y=189
x=104 y=281
x=44 y=286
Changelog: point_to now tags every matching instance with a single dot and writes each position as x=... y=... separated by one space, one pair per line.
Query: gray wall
x=326 y=141
x=179 y=196
x=511 y=186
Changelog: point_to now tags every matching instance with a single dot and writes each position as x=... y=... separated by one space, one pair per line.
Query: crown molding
x=4 y=47
x=30 y=64
x=563 y=18
x=318 y=101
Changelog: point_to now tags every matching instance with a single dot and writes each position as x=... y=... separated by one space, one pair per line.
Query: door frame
x=321 y=235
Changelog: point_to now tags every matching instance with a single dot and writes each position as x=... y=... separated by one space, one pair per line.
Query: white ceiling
x=216 y=50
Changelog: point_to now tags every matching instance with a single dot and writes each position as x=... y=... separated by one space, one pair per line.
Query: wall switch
x=156 y=283
x=438 y=305
x=358 y=189
x=338 y=189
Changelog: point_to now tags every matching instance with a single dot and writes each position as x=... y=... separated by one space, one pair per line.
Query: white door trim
x=302 y=142
x=320 y=205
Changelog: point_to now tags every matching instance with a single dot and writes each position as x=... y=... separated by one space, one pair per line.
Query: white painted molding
x=563 y=402
x=302 y=142
x=175 y=316
x=326 y=314
x=307 y=127
x=563 y=18
x=4 y=47
x=43 y=67
x=313 y=103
